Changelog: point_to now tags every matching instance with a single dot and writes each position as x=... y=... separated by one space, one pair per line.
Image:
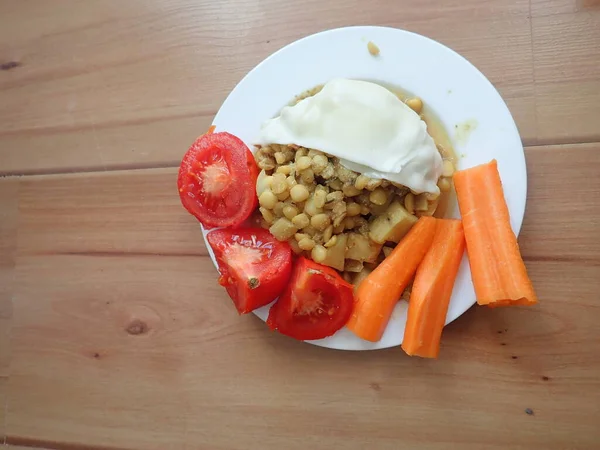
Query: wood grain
x=77 y=86
x=120 y=328
x=566 y=54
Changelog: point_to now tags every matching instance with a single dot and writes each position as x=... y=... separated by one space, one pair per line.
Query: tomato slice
x=316 y=303
x=217 y=180
x=255 y=267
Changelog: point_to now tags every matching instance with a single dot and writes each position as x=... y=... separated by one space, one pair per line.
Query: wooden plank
x=131 y=84
x=566 y=54
x=119 y=326
x=9 y=188
x=200 y=368
x=541 y=8
x=562 y=219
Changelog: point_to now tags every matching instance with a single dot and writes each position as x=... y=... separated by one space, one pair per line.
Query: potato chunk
x=393 y=225
x=336 y=254
x=361 y=248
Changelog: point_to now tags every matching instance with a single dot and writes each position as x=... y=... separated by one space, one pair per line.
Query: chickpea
x=319 y=198
x=279 y=158
x=300 y=236
x=335 y=196
x=310 y=230
x=361 y=182
x=264 y=151
x=295 y=247
x=335 y=184
x=286 y=170
x=319 y=163
x=307 y=176
x=409 y=203
x=290 y=211
x=320 y=221
x=339 y=228
x=318 y=253
x=291 y=181
x=303 y=163
x=267 y=199
x=338 y=219
x=353 y=209
x=364 y=210
x=301 y=220
x=267 y=215
x=284 y=195
x=328 y=172
x=349 y=223
x=444 y=184
x=331 y=242
x=299 y=193
x=312 y=153
x=374 y=184
x=327 y=233
x=447 y=168
x=289 y=153
x=263 y=183
x=266 y=163
x=278 y=209
x=373 y=49
x=378 y=196
x=350 y=191
x=278 y=185
x=300 y=153
x=306 y=244
x=345 y=175
x=416 y=104
x=310 y=208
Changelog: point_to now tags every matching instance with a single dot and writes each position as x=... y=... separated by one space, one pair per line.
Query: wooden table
x=113 y=331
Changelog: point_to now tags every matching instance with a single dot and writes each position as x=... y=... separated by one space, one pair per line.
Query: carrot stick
x=377 y=295
x=499 y=274
x=432 y=289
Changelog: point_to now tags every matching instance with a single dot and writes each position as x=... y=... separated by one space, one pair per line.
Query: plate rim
x=365 y=29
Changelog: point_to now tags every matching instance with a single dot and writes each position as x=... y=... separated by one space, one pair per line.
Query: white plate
x=457 y=92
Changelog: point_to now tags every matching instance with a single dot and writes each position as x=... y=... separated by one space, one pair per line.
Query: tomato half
x=255 y=267
x=316 y=303
x=217 y=180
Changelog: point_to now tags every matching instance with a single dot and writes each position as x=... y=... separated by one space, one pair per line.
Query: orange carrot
x=497 y=268
x=432 y=289
x=377 y=295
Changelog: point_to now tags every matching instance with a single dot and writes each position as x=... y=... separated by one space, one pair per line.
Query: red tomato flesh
x=255 y=267
x=316 y=303
x=217 y=180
